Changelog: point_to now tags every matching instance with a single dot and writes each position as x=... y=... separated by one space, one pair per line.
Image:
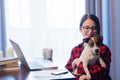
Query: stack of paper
x=9 y=64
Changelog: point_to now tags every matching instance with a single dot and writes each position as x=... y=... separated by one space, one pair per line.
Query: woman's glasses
x=88 y=28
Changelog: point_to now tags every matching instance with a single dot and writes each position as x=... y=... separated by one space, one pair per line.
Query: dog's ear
x=86 y=40
x=101 y=38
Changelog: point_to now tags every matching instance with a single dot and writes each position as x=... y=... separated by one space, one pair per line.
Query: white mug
x=47 y=53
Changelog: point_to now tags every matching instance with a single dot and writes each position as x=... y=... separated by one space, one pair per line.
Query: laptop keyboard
x=41 y=64
x=35 y=64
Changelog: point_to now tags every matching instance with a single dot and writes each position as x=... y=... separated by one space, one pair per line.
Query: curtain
x=115 y=37
x=2 y=28
x=108 y=12
x=94 y=7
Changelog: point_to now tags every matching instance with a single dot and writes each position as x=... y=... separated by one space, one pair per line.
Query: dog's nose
x=96 y=50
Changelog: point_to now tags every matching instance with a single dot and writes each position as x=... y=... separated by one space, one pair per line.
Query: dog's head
x=94 y=43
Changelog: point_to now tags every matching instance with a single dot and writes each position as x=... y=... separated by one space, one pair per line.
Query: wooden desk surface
x=21 y=74
x=15 y=75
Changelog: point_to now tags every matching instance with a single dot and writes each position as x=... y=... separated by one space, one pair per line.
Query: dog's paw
x=88 y=77
x=84 y=77
x=103 y=65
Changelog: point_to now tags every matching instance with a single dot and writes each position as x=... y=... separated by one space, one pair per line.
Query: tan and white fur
x=89 y=55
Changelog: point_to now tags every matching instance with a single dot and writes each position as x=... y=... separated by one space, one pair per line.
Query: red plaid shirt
x=96 y=71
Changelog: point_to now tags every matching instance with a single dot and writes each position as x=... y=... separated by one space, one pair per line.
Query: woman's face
x=88 y=28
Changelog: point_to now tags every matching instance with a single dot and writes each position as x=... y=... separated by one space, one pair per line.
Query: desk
x=15 y=75
x=25 y=74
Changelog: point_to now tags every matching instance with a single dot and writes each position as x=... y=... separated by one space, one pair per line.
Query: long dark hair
x=92 y=17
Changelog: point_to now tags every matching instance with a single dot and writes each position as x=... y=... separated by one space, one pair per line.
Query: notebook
x=35 y=64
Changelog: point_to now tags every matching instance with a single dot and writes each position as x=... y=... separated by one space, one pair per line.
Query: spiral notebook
x=35 y=64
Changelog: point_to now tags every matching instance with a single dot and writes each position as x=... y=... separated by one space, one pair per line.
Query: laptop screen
x=19 y=52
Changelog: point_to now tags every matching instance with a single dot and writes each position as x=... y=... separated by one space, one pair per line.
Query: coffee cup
x=47 y=53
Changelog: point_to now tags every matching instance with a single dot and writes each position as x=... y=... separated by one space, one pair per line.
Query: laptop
x=35 y=64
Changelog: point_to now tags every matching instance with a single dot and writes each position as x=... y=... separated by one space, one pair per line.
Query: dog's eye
x=91 y=44
x=98 y=43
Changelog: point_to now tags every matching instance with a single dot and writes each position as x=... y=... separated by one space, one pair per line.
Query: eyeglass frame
x=87 y=28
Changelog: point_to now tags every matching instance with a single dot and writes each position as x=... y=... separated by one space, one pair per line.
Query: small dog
x=89 y=55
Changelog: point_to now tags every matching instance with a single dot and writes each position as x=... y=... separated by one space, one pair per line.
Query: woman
x=89 y=26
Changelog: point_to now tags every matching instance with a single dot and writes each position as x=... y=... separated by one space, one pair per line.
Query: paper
x=40 y=75
x=47 y=75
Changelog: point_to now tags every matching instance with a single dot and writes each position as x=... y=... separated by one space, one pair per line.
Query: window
x=64 y=13
x=18 y=13
x=39 y=24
